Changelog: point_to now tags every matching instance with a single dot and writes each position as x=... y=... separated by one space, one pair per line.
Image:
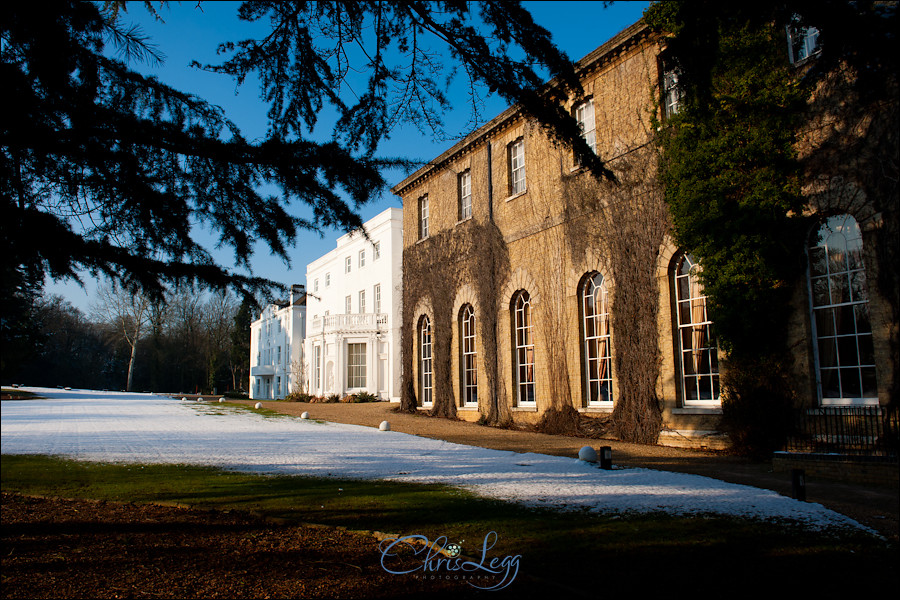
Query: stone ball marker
x=305 y=415
x=258 y=405
x=587 y=454
x=385 y=426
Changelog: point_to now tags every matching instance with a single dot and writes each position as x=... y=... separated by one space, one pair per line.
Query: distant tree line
x=189 y=342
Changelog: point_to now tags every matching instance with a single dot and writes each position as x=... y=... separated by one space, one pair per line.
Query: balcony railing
x=853 y=430
x=348 y=322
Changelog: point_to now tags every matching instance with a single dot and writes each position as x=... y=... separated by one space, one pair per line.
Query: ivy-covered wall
x=737 y=178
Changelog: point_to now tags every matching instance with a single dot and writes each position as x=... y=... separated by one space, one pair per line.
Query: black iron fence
x=849 y=430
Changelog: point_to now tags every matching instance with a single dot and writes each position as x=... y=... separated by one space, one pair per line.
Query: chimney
x=298 y=294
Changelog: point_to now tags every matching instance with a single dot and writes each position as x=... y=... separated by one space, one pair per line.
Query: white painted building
x=276 y=348
x=353 y=340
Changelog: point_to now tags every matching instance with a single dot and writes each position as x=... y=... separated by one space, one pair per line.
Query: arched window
x=698 y=354
x=845 y=356
x=425 y=372
x=597 y=365
x=467 y=364
x=523 y=357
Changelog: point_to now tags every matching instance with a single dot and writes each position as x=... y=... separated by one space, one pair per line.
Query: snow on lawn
x=142 y=428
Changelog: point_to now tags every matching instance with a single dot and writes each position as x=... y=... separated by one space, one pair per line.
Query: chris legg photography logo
x=441 y=560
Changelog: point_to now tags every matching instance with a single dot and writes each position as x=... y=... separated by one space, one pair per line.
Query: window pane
x=817 y=261
x=827 y=353
x=850 y=384
x=824 y=321
x=861 y=311
x=847 y=356
x=837 y=250
x=866 y=350
x=869 y=387
x=844 y=320
x=858 y=290
x=840 y=290
x=820 y=292
x=830 y=383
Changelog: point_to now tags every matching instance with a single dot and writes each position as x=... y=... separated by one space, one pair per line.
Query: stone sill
x=697 y=410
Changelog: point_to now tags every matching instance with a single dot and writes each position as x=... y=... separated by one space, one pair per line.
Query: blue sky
x=190 y=33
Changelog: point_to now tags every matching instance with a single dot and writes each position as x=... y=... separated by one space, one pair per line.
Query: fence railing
x=851 y=430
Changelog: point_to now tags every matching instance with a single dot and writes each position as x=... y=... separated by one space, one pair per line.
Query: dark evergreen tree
x=106 y=170
x=239 y=355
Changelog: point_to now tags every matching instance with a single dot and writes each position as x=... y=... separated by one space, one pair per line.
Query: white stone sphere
x=221 y=399
x=184 y=399
x=305 y=415
x=385 y=426
x=257 y=405
x=587 y=454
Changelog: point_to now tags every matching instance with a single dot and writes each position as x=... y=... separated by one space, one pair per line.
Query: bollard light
x=798 y=484
x=606 y=457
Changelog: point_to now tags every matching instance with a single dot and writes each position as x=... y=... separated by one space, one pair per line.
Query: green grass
x=575 y=549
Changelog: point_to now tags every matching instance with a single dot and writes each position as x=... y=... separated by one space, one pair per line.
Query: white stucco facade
x=276 y=348
x=353 y=339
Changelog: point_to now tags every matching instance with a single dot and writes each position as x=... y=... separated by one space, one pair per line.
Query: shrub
x=236 y=394
x=757 y=407
x=298 y=397
x=366 y=397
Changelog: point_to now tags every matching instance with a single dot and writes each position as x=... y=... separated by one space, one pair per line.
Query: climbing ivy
x=731 y=179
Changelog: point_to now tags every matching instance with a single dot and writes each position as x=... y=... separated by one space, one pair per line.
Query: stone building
x=276 y=348
x=355 y=316
x=523 y=275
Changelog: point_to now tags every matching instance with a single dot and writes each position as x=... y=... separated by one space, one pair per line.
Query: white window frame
x=426 y=373
x=362 y=301
x=698 y=353
x=803 y=43
x=377 y=251
x=523 y=355
x=348 y=264
x=327 y=279
x=672 y=92
x=423 y=217
x=317 y=367
x=362 y=258
x=516 y=157
x=597 y=342
x=356 y=365
x=316 y=285
x=464 y=191
x=376 y=294
x=584 y=114
x=468 y=364
x=348 y=304
x=843 y=346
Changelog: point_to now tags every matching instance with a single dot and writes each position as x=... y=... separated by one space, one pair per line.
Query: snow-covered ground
x=141 y=428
